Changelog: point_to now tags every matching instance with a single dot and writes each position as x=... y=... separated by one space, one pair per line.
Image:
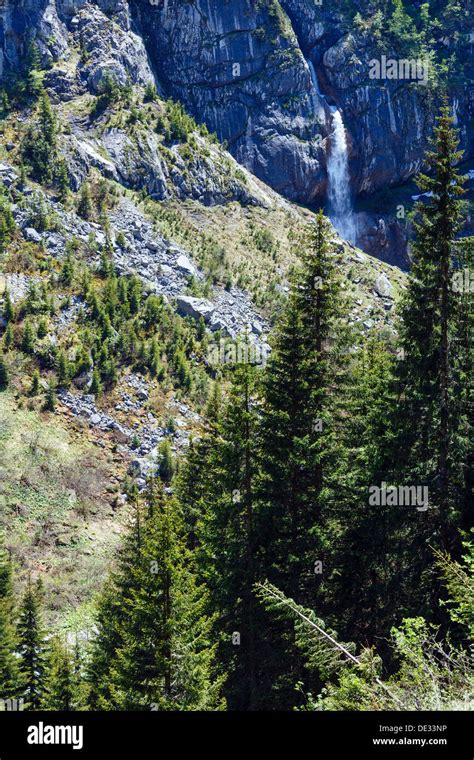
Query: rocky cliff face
x=241 y=67
x=238 y=67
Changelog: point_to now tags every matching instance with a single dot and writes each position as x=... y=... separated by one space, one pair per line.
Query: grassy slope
x=57 y=510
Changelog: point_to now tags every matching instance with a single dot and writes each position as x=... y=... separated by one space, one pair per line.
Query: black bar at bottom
x=399 y=734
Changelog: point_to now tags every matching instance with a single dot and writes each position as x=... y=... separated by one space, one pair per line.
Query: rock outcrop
x=242 y=68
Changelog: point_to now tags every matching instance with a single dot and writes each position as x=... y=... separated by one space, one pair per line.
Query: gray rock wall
x=239 y=66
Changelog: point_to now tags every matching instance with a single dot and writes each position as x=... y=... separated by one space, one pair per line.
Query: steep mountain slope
x=133 y=184
x=242 y=68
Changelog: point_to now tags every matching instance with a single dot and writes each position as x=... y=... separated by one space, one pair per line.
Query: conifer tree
x=51 y=398
x=154 y=360
x=7 y=226
x=302 y=485
x=8 y=660
x=28 y=338
x=62 y=180
x=63 y=370
x=39 y=147
x=35 y=383
x=406 y=438
x=301 y=434
x=434 y=428
x=195 y=480
x=228 y=534
x=32 y=75
x=31 y=646
x=59 y=682
x=47 y=121
x=85 y=207
x=368 y=550
x=8 y=338
x=166 y=463
x=8 y=311
x=3 y=373
x=112 y=610
x=96 y=384
x=67 y=270
x=157 y=652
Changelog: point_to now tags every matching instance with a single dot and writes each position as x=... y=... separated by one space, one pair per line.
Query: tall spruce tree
x=194 y=480
x=31 y=646
x=302 y=429
x=8 y=311
x=435 y=376
x=302 y=466
x=39 y=148
x=368 y=550
x=7 y=227
x=162 y=656
x=9 y=675
x=112 y=611
x=59 y=686
x=228 y=536
x=411 y=424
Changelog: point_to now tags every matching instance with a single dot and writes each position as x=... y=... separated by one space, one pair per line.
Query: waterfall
x=319 y=101
x=339 y=192
x=455 y=111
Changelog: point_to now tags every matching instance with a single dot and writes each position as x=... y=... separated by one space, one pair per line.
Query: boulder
x=383 y=286
x=32 y=235
x=184 y=265
x=195 y=307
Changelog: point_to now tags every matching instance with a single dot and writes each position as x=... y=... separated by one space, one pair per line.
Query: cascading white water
x=339 y=192
x=317 y=96
x=339 y=189
x=455 y=111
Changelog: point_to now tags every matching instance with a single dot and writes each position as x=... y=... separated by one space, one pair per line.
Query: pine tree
x=166 y=463
x=155 y=652
x=228 y=534
x=303 y=471
x=112 y=610
x=62 y=180
x=47 y=121
x=42 y=327
x=3 y=373
x=96 y=384
x=434 y=422
x=7 y=226
x=8 y=660
x=35 y=383
x=85 y=207
x=154 y=360
x=67 y=270
x=39 y=148
x=368 y=551
x=397 y=426
x=59 y=691
x=28 y=338
x=51 y=398
x=8 y=338
x=32 y=75
x=301 y=431
x=195 y=481
x=31 y=647
x=63 y=370
x=8 y=311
